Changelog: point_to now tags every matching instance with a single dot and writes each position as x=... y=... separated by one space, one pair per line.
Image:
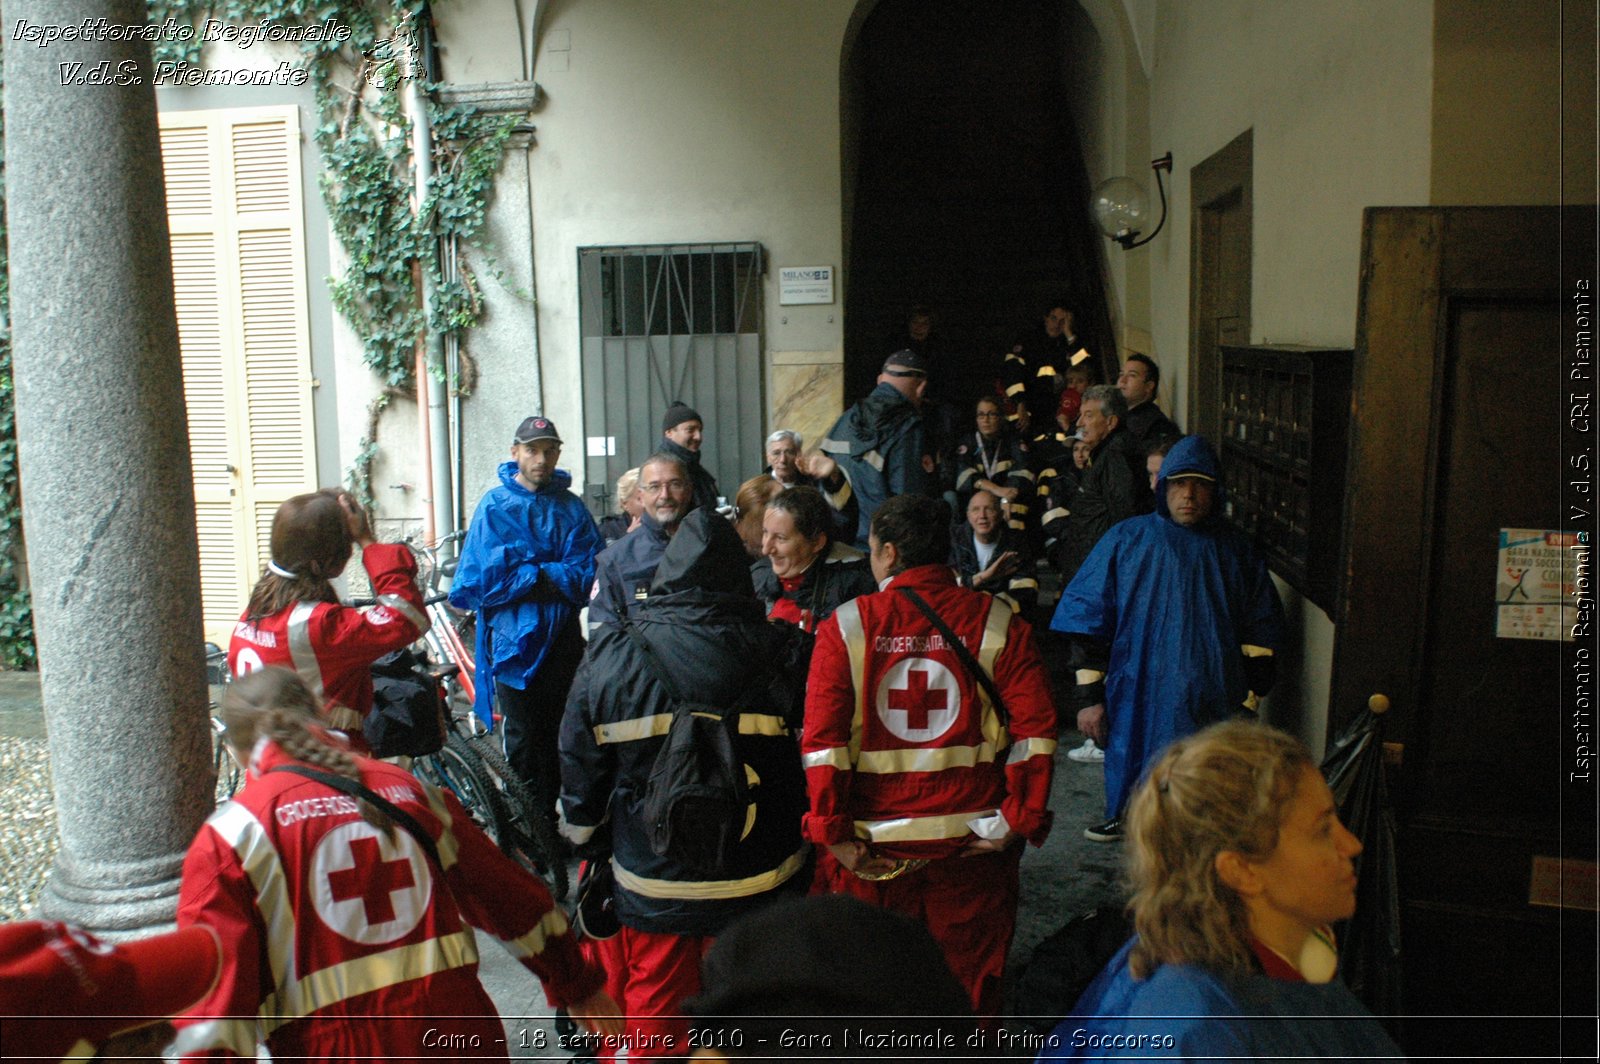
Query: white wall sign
x=805 y=284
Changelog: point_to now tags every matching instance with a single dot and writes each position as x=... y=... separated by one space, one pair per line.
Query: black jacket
x=705 y=485
x=1149 y=425
x=707 y=627
x=1115 y=487
x=1021 y=589
x=830 y=582
x=1008 y=456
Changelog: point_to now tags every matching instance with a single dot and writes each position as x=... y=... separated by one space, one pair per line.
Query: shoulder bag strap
x=983 y=679
x=357 y=789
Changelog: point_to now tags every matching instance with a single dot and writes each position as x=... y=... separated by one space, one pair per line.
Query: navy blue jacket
x=1021 y=588
x=624 y=570
x=879 y=444
x=705 y=624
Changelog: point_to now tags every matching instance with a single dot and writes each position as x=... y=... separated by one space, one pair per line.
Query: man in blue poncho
x=1174 y=623
x=526 y=568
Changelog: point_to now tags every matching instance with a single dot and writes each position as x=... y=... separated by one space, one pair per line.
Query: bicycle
x=471 y=762
x=227 y=771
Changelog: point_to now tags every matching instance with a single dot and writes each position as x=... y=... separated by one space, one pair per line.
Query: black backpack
x=695 y=800
x=407 y=714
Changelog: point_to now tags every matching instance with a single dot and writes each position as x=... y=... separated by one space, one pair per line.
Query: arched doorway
x=965 y=183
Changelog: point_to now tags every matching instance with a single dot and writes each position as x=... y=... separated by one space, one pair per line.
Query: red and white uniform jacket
x=901 y=746
x=340 y=942
x=333 y=647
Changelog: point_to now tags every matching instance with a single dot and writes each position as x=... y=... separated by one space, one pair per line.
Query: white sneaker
x=1087 y=753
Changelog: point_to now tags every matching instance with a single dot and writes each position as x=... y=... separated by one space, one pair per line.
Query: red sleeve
x=347 y=638
x=1025 y=685
x=215 y=892
x=824 y=742
x=501 y=897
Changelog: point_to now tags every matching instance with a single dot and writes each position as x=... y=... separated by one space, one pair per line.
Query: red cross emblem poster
x=918 y=699
x=369 y=888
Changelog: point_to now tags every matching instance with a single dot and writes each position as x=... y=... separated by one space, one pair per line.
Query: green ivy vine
x=366 y=183
x=16 y=609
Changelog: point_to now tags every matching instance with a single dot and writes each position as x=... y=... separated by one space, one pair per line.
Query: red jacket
x=333 y=647
x=900 y=743
x=340 y=943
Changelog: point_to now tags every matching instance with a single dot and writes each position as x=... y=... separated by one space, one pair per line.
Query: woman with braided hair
x=294 y=618
x=1239 y=867
x=345 y=926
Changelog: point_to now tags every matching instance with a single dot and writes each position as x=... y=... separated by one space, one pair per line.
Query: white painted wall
x=686 y=120
x=1339 y=97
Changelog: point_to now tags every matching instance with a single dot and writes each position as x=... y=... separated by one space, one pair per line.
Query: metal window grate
x=662 y=323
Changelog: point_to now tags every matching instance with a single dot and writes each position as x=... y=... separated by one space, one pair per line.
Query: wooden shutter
x=238 y=261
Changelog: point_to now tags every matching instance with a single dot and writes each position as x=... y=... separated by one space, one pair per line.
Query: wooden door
x=1221 y=250
x=1455 y=438
x=238 y=263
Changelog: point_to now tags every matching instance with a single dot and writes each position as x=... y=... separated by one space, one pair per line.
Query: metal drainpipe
x=452 y=365
x=416 y=107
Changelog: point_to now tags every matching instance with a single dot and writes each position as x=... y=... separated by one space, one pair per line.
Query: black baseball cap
x=537 y=427
x=905 y=363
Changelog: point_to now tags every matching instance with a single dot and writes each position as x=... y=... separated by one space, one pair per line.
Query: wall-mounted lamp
x=1122 y=208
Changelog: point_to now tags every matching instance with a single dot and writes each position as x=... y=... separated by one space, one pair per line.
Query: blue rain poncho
x=1182 y=611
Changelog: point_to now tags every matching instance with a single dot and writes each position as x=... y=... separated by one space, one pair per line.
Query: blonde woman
x=1239 y=865
x=343 y=935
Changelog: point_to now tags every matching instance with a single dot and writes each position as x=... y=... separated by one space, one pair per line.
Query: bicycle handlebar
x=431 y=600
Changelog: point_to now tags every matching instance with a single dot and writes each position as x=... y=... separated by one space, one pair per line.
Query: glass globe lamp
x=1121 y=209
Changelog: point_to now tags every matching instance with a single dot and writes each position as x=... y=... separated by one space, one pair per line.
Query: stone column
x=107 y=493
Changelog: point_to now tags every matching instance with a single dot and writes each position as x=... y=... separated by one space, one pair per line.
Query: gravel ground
x=27 y=824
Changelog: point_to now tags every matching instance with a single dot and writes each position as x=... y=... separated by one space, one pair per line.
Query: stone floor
x=1067 y=876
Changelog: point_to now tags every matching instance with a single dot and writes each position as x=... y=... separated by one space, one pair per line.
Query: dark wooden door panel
x=1486 y=749
x=1455 y=436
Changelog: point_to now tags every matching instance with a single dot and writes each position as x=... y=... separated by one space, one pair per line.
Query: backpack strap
x=657 y=666
x=357 y=789
x=754 y=687
x=971 y=663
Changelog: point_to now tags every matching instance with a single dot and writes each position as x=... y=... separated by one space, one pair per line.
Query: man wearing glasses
x=624 y=570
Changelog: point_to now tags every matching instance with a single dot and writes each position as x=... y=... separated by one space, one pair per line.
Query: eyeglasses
x=660 y=486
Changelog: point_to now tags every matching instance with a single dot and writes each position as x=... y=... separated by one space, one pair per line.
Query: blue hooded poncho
x=1181 y=608
x=526 y=568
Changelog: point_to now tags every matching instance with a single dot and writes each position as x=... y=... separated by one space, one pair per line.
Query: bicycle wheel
x=226 y=769
x=458 y=767
x=534 y=841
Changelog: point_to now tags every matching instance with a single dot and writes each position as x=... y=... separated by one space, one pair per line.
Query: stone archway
x=965 y=178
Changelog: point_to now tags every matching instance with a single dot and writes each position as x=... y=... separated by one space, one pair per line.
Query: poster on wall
x=1530 y=586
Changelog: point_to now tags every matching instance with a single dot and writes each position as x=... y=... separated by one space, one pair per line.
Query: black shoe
x=1110 y=831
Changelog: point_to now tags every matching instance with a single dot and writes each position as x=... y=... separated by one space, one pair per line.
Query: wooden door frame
x=1223 y=174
